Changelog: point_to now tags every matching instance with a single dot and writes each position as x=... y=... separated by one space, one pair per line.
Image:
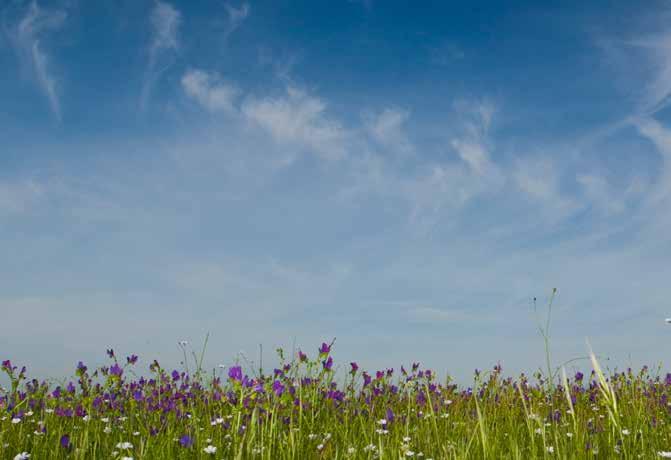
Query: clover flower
x=210 y=450
x=124 y=445
x=22 y=456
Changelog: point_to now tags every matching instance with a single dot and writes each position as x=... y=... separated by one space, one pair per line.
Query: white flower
x=16 y=420
x=312 y=436
x=126 y=458
x=570 y=435
x=104 y=420
x=327 y=436
x=320 y=446
x=210 y=449
x=86 y=418
x=381 y=431
x=136 y=433
x=22 y=456
x=29 y=413
x=406 y=439
x=625 y=432
x=49 y=411
x=124 y=445
x=538 y=431
x=663 y=453
x=447 y=402
x=550 y=449
x=409 y=453
x=382 y=421
x=351 y=450
x=107 y=430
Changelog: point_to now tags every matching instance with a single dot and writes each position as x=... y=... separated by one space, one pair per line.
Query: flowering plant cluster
x=306 y=409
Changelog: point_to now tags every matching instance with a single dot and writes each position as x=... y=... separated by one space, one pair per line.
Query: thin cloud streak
x=28 y=37
x=165 y=20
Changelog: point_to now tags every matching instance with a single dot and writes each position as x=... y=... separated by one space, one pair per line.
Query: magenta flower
x=302 y=356
x=132 y=359
x=324 y=349
x=278 y=388
x=355 y=367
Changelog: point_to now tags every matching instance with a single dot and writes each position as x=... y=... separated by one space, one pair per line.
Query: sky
x=404 y=177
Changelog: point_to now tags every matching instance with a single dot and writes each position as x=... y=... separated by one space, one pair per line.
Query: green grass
x=624 y=415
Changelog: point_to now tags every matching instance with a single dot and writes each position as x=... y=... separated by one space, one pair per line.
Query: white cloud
x=602 y=195
x=209 y=90
x=236 y=16
x=387 y=129
x=539 y=178
x=298 y=119
x=29 y=37
x=165 y=21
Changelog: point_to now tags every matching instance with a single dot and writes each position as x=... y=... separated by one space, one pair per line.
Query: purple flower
x=7 y=365
x=65 y=441
x=81 y=367
x=278 y=388
x=132 y=359
x=324 y=349
x=116 y=370
x=579 y=376
x=302 y=356
x=110 y=353
x=175 y=375
x=71 y=387
x=390 y=415
x=355 y=367
x=186 y=441
x=328 y=364
x=235 y=373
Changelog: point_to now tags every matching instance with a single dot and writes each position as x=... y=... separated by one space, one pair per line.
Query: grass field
x=302 y=411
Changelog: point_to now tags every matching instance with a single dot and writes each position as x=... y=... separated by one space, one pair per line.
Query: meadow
x=304 y=409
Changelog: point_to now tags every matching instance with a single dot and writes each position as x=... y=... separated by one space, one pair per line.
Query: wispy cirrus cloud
x=165 y=20
x=209 y=90
x=300 y=119
x=236 y=16
x=29 y=37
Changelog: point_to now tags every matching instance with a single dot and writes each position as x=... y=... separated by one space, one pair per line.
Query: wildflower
x=22 y=456
x=312 y=436
x=124 y=445
x=186 y=441
x=107 y=429
x=625 y=432
x=538 y=431
x=324 y=349
x=569 y=435
x=550 y=449
x=409 y=453
x=664 y=454
x=355 y=367
x=351 y=450
x=126 y=458
x=320 y=446
x=406 y=439
x=447 y=402
x=136 y=433
x=382 y=421
x=65 y=441
x=381 y=431
x=210 y=449
x=16 y=420
x=235 y=373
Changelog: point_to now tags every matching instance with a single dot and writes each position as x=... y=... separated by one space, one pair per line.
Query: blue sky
x=405 y=177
